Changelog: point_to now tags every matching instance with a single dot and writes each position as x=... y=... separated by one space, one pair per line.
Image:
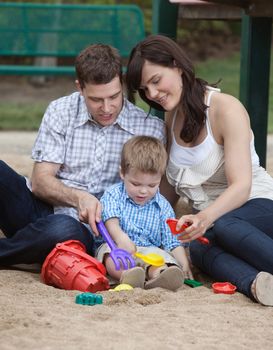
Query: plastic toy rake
x=120 y=257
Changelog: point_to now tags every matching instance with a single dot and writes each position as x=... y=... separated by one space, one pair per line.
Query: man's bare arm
x=46 y=186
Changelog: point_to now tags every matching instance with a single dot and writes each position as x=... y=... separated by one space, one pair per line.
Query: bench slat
x=36 y=70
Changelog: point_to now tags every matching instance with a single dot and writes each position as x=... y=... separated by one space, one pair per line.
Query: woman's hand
x=197 y=226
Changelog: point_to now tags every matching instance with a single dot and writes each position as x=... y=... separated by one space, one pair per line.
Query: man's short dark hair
x=98 y=64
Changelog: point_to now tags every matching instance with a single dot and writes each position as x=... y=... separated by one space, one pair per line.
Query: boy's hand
x=124 y=242
x=180 y=255
x=186 y=265
x=187 y=271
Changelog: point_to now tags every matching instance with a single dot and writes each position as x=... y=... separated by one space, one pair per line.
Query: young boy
x=135 y=215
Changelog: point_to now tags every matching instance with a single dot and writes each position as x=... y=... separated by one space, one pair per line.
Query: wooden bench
x=198 y=9
x=62 y=31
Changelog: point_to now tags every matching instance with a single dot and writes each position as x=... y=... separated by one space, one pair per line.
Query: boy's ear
x=121 y=174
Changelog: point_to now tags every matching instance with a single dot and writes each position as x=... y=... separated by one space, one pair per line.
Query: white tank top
x=202 y=181
x=187 y=156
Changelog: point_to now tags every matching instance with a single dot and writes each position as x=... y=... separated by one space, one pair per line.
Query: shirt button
x=99 y=159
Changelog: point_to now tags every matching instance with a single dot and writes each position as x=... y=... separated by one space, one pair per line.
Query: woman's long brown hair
x=163 y=51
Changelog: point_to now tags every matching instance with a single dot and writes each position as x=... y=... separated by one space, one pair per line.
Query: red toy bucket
x=69 y=267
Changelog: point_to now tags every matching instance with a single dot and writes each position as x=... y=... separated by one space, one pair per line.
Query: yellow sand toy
x=151 y=258
x=121 y=287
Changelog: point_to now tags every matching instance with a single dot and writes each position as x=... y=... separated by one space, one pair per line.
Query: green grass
x=228 y=70
x=19 y=116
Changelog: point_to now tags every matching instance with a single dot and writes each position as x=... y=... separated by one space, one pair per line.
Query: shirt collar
x=155 y=199
x=123 y=119
x=83 y=114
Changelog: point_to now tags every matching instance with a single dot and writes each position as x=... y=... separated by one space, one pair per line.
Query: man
x=76 y=154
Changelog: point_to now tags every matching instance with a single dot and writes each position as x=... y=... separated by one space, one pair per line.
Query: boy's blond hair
x=144 y=153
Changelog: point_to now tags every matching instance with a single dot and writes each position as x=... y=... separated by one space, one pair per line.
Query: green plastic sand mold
x=192 y=283
x=89 y=299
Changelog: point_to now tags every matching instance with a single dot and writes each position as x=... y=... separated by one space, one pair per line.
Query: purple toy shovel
x=119 y=256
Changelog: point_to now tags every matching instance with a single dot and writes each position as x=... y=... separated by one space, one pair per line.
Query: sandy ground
x=36 y=316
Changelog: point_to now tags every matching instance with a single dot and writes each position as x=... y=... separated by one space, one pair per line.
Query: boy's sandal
x=171 y=278
x=262 y=288
x=135 y=277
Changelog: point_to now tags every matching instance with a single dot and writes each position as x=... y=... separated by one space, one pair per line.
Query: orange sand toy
x=224 y=287
x=68 y=266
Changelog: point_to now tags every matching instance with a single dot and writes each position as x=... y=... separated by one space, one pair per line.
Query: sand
x=36 y=316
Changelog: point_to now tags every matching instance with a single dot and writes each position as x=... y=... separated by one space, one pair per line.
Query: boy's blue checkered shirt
x=145 y=224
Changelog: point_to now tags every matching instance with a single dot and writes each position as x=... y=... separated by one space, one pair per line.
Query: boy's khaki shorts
x=169 y=259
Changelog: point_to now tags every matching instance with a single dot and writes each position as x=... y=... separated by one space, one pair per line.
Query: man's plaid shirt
x=89 y=154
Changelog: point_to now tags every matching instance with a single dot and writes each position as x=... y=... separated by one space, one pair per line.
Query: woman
x=213 y=163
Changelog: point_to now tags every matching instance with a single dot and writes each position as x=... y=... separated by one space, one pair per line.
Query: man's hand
x=89 y=210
